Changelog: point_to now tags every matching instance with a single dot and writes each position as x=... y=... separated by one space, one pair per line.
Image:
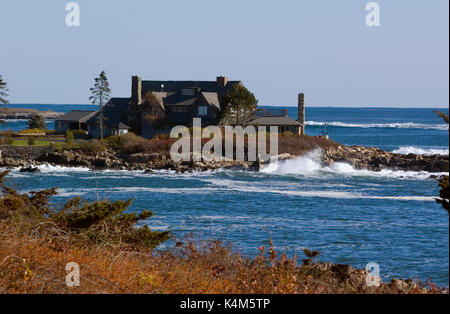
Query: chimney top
x=222 y=81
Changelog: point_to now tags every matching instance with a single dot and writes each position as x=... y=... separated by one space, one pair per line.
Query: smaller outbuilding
x=275 y=117
x=73 y=120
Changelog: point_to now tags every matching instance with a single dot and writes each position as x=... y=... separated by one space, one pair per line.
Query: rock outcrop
x=359 y=157
x=376 y=159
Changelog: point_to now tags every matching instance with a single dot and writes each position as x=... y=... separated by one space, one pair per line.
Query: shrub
x=69 y=137
x=105 y=221
x=31 y=141
x=161 y=137
x=6 y=140
x=32 y=131
x=133 y=144
x=50 y=132
x=94 y=146
x=287 y=133
x=9 y=140
x=114 y=142
x=98 y=222
x=37 y=122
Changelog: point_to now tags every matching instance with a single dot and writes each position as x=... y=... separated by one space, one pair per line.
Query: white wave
x=405 y=125
x=310 y=165
x=70 y=193
x=405 y=150
x=229 y=185
x=52 y=169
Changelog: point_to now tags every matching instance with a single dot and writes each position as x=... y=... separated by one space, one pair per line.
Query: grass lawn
x=24 y=142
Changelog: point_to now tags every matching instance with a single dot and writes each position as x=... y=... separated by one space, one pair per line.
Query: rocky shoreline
x=375 y=159
x=358 y=157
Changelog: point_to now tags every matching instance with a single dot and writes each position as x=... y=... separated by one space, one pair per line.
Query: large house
x=156 y=106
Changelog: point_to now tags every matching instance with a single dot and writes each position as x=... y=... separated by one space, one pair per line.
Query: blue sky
x=276 y=48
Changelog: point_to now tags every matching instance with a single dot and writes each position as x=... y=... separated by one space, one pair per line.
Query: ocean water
x=350 y=216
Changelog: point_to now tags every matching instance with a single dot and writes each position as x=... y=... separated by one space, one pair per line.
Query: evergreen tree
x=37 y=122
x=100 y=95
x=239 y=103
x=3 y=91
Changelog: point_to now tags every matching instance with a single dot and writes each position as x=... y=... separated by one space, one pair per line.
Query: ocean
x=350 y=216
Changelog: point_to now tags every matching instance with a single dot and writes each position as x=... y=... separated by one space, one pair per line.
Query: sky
x=276 y=48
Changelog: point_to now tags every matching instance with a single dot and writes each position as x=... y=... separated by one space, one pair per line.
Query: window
x=202 y=111
x=188 y=92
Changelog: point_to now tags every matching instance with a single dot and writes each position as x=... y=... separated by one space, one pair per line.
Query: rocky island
x=359 y=157
x=19 y=113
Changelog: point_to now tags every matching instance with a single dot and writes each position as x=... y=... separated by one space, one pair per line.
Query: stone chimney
x=301 y=112
x=221 y=81
x=136 y=89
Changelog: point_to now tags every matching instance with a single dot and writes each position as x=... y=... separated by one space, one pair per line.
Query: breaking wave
x=405 y=125
x=310 y=165
x=405 y=150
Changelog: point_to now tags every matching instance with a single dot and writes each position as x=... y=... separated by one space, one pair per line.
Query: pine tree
x=238 y=103
x=3 y=91
x=37 y=122
x=100 y=95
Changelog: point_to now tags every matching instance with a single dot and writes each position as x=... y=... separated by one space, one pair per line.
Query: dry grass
x=287 y=143
x=34 y=261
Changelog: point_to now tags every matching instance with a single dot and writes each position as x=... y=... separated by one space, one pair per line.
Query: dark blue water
x=351 y=216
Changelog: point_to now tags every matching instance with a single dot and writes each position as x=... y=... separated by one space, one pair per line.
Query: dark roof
x=275 y=121
x=176 y=86
x=77 y=115
x=179 y=100
x=113 y=112
x=119 y=125
x=170 y=94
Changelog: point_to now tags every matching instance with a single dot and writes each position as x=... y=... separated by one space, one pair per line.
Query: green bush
x=9 y=140
x=31 y=141
x=6 y=140
x=114 y=142
x=98 y=222
x=70 y=139
x=105 y=221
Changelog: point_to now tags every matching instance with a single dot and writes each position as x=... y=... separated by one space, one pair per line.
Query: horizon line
x=281 y=106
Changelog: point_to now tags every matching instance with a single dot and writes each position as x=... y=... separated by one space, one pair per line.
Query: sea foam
x=405 y=150
x=405 y=125
x=310 y=165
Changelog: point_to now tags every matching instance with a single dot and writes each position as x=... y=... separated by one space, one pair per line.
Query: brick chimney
x=221 y=81
x=136 y=89
x=301 y=112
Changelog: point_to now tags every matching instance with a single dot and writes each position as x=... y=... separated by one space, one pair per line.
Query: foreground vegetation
x=117 y=256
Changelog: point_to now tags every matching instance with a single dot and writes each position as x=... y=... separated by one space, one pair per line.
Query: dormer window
x=188 y=92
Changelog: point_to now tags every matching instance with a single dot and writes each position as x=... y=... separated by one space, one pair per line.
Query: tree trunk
x=101 y=119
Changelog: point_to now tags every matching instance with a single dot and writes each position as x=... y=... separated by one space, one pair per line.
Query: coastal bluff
x=359 y=157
